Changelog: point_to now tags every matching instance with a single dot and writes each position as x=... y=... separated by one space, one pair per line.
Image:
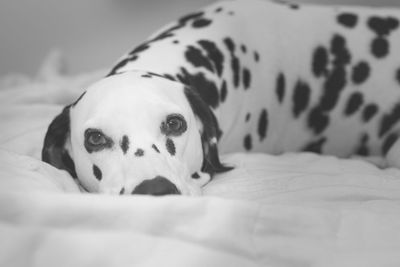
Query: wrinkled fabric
x=289 y=210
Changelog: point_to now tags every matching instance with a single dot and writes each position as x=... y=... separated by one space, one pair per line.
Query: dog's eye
x=175 y=125
x=95 y=138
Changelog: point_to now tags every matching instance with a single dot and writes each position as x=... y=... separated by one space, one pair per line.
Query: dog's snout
x=158 y=186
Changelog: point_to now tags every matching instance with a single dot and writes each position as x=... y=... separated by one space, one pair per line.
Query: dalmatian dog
x=244 y=75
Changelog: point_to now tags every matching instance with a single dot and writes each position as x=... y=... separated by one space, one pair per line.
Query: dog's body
x=278 y=77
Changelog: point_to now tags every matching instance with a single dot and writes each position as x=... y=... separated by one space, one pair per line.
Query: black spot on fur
x=333 y=86
x=388 y=143
x=124 y=144
x=140 y=48
x=247 y=142
x=218 y=10
x=262 y=124
x=339 y=50
x=280 y=87
x=348 y=20
x=205 y=88
x=235 y=68
x=301 y=98
x=380 y=47
x=235 y=64
x=146 y=76
x=224 y=91
x=363 y=149
x=122 y=191
x=139 y=152
x=165 y=34
x=246 y=78
x=382 y=26
x=389 y=120
x=97 y=172
x=318 y=120
x=152 y=74
x=354 y=103
x=360 y=72
x=369 y=111
x=169 y=77
x=243 y=48
x=230 y=44
x=294 y=6
x=315 y=146
x=256 y=56
x=194 y=56
x=213 y=54
x=155 y=148
x=175 y=41
x=320 y=61
x=190 y=17
x=200 y=23
x=195 y=175
x=170 y=145
x=248 y=116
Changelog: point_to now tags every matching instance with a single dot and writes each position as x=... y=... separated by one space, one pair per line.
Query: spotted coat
x=273 y=77
x=287 y=77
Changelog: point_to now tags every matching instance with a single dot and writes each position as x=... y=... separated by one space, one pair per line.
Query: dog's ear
x=54 y=149
x=210 y=133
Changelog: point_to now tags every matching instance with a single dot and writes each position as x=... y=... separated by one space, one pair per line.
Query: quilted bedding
x=289 y=210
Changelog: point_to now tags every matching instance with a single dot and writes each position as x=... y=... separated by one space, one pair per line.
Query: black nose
x=158 y=186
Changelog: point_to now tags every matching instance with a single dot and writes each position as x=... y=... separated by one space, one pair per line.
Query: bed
x=289 y=210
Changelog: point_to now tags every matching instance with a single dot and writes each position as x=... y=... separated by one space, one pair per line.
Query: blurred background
x=92 y=34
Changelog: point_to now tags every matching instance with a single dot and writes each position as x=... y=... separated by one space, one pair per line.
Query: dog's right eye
x=95 y=140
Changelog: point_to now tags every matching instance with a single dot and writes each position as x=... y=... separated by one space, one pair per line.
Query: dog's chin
x=191 y=189
x=186 y=185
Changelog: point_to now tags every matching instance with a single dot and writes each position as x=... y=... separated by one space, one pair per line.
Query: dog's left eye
x=95 y=138
x=175 y=125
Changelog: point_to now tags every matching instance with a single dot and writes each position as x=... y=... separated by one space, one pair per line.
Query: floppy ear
x=210 y=134
x=54 y=149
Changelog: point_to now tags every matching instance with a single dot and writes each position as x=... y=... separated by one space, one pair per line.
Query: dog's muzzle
x=158 y=186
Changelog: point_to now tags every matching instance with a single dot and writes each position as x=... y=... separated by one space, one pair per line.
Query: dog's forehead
x=131 y=92
x=128 y=100
x=135 y=86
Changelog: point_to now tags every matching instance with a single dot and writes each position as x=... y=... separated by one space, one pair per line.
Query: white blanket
x=290 y=210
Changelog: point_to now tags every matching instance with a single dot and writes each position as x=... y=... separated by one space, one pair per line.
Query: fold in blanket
x=289 y=210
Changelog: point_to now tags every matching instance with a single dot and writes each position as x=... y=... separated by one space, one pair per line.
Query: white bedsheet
x=290 y=210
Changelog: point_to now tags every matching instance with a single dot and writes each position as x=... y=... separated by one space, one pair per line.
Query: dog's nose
x=158 y=186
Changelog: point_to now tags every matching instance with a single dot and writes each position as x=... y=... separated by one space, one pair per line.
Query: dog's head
x=136 y=133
